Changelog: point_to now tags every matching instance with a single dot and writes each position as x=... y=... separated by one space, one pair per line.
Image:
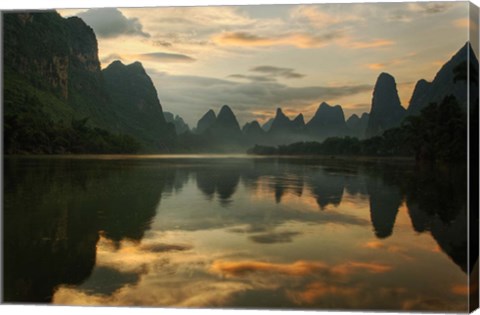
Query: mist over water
x=234 y=232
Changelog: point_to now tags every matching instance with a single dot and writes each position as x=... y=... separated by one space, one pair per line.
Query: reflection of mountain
x=223 y=181
x=384 y=203
x=55 y=210
x=440 y=208
x=264 y=181
x=128 y=201
x=356 y=184
x=47 y=240
x=327 y=188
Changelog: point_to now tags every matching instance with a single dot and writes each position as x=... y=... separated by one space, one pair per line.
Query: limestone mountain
x=55 y=99
x=421 y=89
x=253 y=129
x=299 y=122
x=357 y=125
x=446 y=82
x=225 y=124
x=180 y=125
x=328 y=121
x=386 y=111
x=206 y=121
x=266 y=126
x=134 y=100
x=281 y=123
x=253 y=133
x=55 y=59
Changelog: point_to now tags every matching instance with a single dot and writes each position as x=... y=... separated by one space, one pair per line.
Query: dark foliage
x=439 y=133
x=31 y=130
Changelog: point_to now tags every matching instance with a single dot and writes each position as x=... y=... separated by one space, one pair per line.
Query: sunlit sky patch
x=258 y=58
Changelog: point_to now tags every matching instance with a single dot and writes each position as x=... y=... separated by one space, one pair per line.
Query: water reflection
x=384 y=203
x=55 y=211
x=261 y=233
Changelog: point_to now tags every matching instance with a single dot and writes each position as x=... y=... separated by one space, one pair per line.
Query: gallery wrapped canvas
x=295 y=157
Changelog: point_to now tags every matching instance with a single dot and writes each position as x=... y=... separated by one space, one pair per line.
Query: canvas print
x=305 y=156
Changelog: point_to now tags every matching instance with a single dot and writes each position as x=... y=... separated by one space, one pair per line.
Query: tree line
x=439 y=133
x=30 y=130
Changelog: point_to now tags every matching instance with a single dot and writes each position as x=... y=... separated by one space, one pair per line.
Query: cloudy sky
x=258 y=58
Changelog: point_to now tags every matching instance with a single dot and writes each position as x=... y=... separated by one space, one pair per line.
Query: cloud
x=299 y=40
x=191 y=96
x=303 y=40
x=166 y=57
x=254 y=78
x=393 y=62
x=162 y=43
x=319 y=17
x=429 y=8
x=278 y=72
x=110 y=23
x=109 y=58
x=409 y=12
x=270 y=74
x=377 y=43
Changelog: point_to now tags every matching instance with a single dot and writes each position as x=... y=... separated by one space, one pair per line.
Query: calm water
x=234 y=232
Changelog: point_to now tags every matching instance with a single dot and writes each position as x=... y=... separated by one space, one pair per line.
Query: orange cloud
x=321 y=19
x=371 y=44
x=461 y=23
x=465 y=23
x=299 y=40
x=376 y=66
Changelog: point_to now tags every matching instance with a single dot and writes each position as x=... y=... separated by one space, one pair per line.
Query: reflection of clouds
x=312 y=283
x=240 y=268
x=209 y=255
x=133 y=257
x=183 y=294
x=298 y=268
x=355 y=266
x=317 y=290
x=432 y=304
x=460 y=289
x=392 y=248
x=160 y=274
x=274 y=237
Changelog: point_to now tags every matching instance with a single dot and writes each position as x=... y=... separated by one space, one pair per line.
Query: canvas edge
x=473 y=166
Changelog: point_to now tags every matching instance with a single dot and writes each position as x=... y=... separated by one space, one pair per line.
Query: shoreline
x=212 y=156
